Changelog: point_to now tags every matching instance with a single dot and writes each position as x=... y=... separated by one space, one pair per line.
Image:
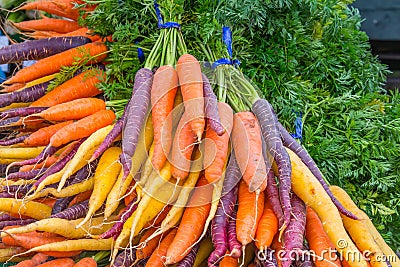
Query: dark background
x=382 y=25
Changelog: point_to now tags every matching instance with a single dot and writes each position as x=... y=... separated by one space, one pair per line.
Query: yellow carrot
x=66 y=191
x=358 y=230
x=176 y=212
x=307 y=187
x=104 y=178
x=31 y=209
x=66 y=228
x=84 y=153
x=20 y=152
x=121 y=186
x=76 y=244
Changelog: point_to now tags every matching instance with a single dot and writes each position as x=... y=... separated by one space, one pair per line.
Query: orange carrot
x=249 y=213
x=145 y=250
x=80 y=86
x=82 y=128
x=50 y=65
x=157 y=257
x=48 y=24
x=12 y=88
x=163 y=91
x=267 y=227
x=62 y=254
x=37 y=259
x=73 y=110
x=49 y=201
x=182 y=148
x=62 y=8
x=319 y=241
x=42 y=136
x=128 y=198
x=192 y=223
x=217 y=146
x=86 y=262
x=80 y=197
x=83 y=32
x=63 y=262
x=229 y=261
x=191 y=82
x=247 y=144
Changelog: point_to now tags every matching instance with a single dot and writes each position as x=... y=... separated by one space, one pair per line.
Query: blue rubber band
x=161 y=24
x=140 y=53
x=227 y=39
x=298 y=124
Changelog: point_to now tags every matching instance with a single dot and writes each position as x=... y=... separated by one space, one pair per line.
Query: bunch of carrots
x=183 y=178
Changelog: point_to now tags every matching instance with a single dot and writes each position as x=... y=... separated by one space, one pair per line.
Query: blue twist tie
x=161 y=24
x=298 y=124
x=140 y=53
x=227 y=39
x=225 y=61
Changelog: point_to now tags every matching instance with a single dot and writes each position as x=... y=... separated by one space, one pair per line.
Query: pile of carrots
x=180 y=179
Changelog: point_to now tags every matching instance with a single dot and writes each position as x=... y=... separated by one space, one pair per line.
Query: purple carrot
x=84 y=172
x=234 y=245
x=56 y=167
x=116 y=229
x=26 y=95
x=126 y=258
x=8 y=121
x=293 y=237
x=5 y=167
x=266 y=259
x=224 y=211
x=6 y=194
x=293 y=145
x=7 y=217
x=74 y=212
x=47 y=152
x=232 y=175
x=266 y=116
x=211 y=107
x=61 y=204
x=16 y=222
x=109 y=139
x=136 y=116
x=27 y=175
x=13 y=141
x=21 y=112
x=273 y=196
x=38 y=49
x=23 y=189
x=305 y=258
x=190 y=258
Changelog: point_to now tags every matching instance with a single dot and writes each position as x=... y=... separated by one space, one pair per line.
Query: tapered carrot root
x=191 y=82
x=192 y=224
x=249 y=214
x=164 y=88
x=48 y=24
x=217 y=146
x=81 y=86
x=247 y=143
